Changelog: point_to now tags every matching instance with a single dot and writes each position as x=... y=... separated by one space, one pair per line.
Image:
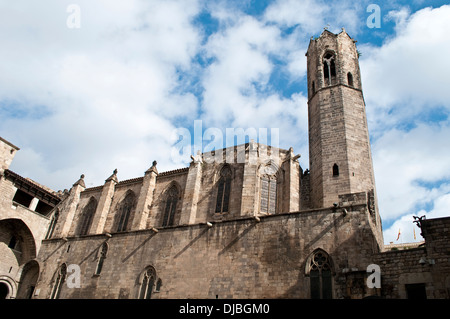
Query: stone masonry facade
x=243 y=222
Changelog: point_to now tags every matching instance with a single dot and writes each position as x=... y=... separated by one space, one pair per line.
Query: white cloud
x=408 y=72
x=312 y=16
x=237 y=89
x=407 y=108
x=405 y=173
x=110 y=89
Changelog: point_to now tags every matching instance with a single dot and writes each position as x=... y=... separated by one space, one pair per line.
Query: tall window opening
x=329 y=69
x=320 y=275
x=268 y=194
x=147 y=283
x=350 y=79
x=60 y=279
x=171 y=206
x=87 y=217
x=124 y=212
x=101 y=258
x=335 y=170
x=51 y=227
x=223 y=191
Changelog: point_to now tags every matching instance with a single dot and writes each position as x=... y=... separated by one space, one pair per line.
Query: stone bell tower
x=339 y=146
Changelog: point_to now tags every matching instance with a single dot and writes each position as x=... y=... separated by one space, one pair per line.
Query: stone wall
x=7 y=153
x=428 y=265
x=240 y=258
x=197 y=188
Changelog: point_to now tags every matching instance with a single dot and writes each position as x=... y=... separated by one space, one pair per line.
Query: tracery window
x=171 y=206
x=86 y=217
x=320 y=275
x=147 y=283
x=126 y=207
x=223 y=190
x=268 y=194
x=60 y=279
x=329 y=68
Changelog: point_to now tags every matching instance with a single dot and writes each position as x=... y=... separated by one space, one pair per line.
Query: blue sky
x=111 y=93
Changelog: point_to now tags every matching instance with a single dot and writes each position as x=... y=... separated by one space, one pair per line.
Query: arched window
x=268 y=201
x=171 y=206
x=329 y=69
x=101 y=258
x=319 y=270
x=124 y=212
x=335 y=170
x=268 y=194
x=350 y=79
x=223 y=190
x=147 y=283
x=52 y=225
x=60 y=279
x=86 y=217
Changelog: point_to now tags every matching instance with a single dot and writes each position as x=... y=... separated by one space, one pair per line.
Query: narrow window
x=60 y=279
x=320 y=276
x=350 y=79
x=86 y=217
x=223 y=190
x=171 y=206
x=124 y=212
x=158 y=285
x=268 y=194
x=101 y=258
x=329 y=69
x=147 y=284
x=335 y=170
x=313 y=87
x=52 y=225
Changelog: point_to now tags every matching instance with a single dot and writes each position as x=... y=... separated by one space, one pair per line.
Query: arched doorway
x=4 y=290
x=28 y=280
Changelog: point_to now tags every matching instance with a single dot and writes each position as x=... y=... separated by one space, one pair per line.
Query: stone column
x=293 y=180
x=145 y=199
x=67 y=215
x=104 y=204
x=192 y=190
x=249 y=203
x=33 y=204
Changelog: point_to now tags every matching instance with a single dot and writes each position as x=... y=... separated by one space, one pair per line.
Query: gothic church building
x=259 y=227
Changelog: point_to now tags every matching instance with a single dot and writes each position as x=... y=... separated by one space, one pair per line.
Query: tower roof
x=327 y=33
